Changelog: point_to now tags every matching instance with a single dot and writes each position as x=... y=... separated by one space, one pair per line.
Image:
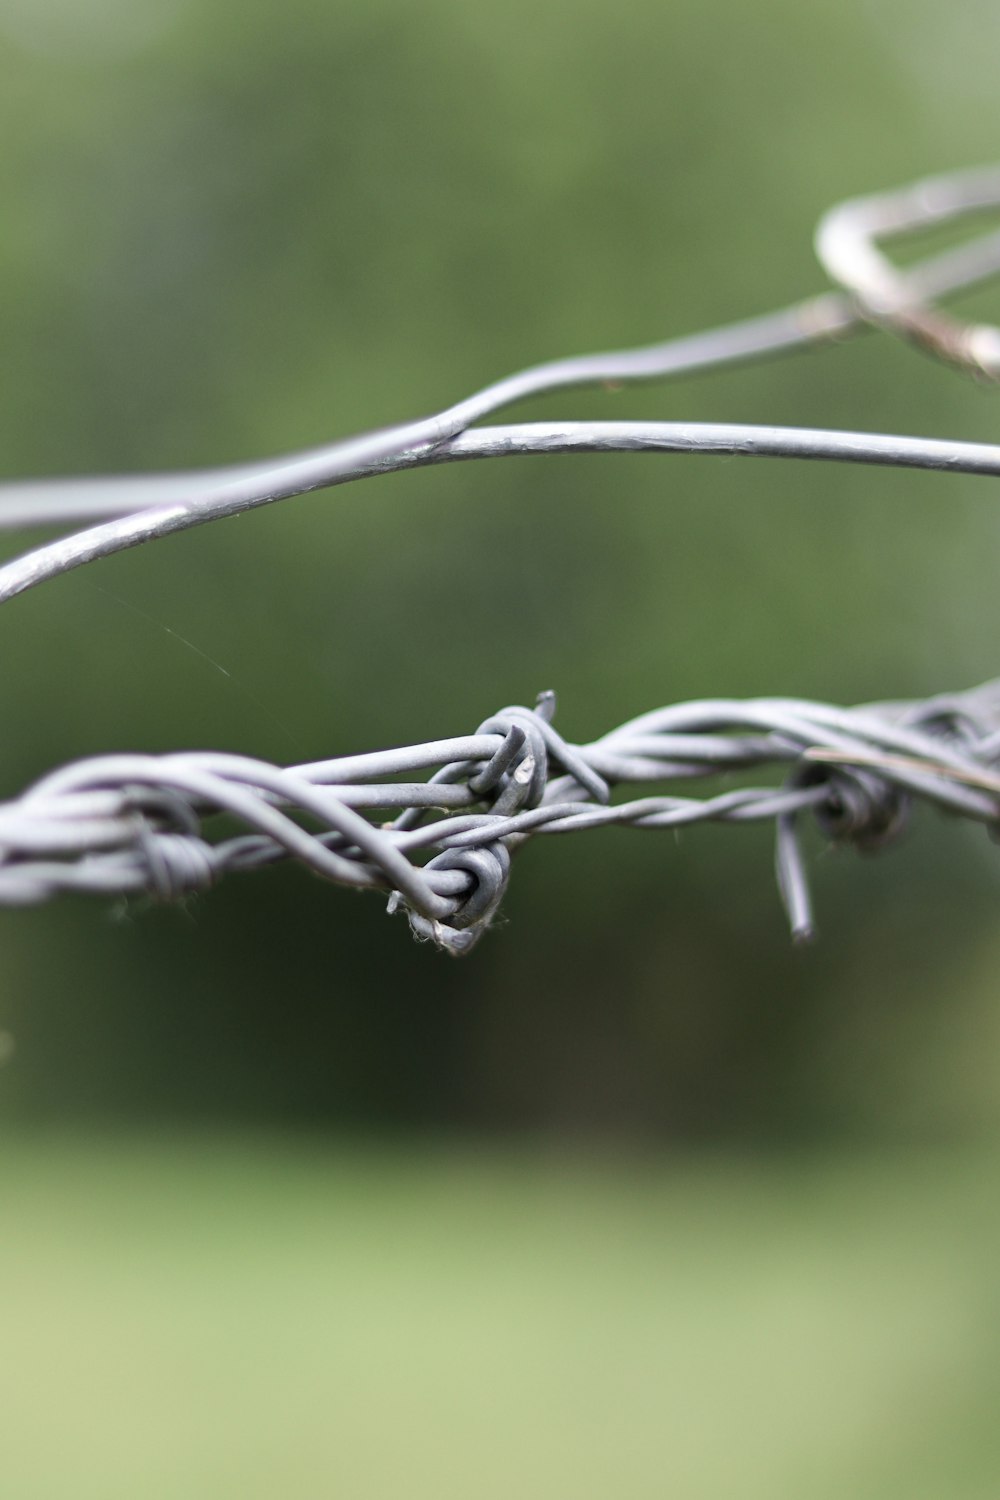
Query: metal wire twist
x=124 y=824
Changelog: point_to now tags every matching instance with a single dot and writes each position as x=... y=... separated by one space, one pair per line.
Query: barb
x=140 y=824
x=130 y=824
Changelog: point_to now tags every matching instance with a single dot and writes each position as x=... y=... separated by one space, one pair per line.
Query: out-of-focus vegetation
x=231 y=231
x=221 y=1320
x=234 y=230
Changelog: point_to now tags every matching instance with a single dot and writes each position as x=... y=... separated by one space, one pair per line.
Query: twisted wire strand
x=133 y=824
x=441 y=847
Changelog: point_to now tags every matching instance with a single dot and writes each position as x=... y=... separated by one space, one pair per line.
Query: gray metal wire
x=147 y=506
x=846 y=246
x=125 y=824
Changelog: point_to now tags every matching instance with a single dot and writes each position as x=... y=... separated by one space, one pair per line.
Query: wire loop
x=861 y=807
x=893 y=299
x=177 y=865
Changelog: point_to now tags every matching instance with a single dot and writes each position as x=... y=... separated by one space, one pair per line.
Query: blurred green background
x=740 y=1244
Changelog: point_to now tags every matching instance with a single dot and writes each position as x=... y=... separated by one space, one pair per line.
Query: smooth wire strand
x=525 y=439
x=825 y=318
x=151 y=506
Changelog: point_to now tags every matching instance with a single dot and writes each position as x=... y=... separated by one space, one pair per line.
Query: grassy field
x=214 y=1317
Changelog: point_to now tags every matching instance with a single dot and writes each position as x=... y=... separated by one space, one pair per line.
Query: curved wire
x=525 y=439
x=150 y=506
x=846 y=248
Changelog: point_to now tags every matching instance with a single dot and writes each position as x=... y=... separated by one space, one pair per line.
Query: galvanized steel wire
x=125 y=824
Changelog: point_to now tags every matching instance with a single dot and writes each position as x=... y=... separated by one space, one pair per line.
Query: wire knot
x=176 y=864
x=517 y=775
x=948 y=717
x=520 y=768
x=488 y=869
x=861 y=807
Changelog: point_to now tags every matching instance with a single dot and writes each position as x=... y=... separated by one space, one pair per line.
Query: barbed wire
x=122 y=824
x=127 y=823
